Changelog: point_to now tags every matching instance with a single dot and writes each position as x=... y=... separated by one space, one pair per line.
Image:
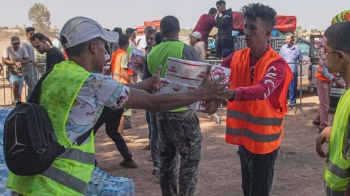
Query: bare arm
x=208 y=90
x=147 y=85
x=7 y=62
x=25 y=61
x=161 y=102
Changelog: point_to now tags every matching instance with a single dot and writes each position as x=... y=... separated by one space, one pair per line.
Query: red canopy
x=283 y=23
x=140 y=30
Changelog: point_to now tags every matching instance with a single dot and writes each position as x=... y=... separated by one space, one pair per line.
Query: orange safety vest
x=256 y=125
x=319 y=73
x=116 y=68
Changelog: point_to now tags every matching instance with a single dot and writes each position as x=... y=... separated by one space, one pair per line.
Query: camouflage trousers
x=179 y=133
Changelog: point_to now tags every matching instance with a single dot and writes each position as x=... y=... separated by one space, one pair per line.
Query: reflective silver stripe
x=261 y=137
x=233 y=131
x=254 y=119
x=329 y=192
x=235 y=114
x=66 y=179
x=254 y=136
x=116 y=74
x=79 y=155
x=263 y=121
x=341 y=173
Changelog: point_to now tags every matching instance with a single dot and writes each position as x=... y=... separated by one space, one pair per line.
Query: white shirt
x=199 y=46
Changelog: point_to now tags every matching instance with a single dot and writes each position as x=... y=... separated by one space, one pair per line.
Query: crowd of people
x=91 y=64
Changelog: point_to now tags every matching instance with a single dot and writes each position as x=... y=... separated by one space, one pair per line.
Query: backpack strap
x=34 y=97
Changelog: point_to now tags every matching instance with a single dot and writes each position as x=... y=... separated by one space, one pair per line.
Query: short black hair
x=264 y=12
x=146 y=28
x=118 y=30
x=76 y=50
x=338 y=36
x=170 y=25
x=123 y=40
x=213 y=10
x=158 y=38
x=29 y=29
x=41 y=37
x=150 y=31
x=220 y=2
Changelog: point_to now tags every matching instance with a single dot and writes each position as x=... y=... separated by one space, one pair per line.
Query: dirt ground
x=298 y=169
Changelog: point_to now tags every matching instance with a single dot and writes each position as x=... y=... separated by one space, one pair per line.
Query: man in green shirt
x=179 y=130
x=337 y=59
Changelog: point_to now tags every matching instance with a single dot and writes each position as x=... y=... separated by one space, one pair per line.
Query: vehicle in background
x=336 y=90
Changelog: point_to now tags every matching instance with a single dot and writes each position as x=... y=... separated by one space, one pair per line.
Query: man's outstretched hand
x=155 y=79
x=321 y=139
x=213 y=90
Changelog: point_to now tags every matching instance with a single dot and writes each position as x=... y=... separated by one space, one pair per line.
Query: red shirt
x=268 y=87
x=204 y=25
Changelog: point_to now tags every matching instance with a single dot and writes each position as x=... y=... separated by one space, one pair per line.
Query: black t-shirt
x=53 y=57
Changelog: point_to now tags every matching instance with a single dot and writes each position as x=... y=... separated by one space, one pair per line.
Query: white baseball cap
x=81 y=29
x=196 y=35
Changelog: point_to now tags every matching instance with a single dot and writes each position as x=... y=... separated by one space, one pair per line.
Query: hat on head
x=15 y=40
x=129 y=31
x=196 y=35
x=81 y=29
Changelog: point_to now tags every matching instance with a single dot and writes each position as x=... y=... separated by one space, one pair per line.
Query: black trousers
x=257 y=172
x=111 y=118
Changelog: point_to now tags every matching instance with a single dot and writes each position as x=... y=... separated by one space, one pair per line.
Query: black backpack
x=30 y=143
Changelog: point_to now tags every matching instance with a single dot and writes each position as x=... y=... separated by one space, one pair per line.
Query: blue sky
x=132 y=13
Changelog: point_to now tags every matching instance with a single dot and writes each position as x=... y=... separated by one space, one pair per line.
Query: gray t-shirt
x=30 y=49
x=29 y=68
x=15 y=56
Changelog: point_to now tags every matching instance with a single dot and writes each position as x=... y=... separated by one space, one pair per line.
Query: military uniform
x=179 y=130
x=179 y=133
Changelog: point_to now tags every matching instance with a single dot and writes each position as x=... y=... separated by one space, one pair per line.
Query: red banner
x=283 y=23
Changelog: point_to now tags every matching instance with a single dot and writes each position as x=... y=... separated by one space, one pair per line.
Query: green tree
x=298 y=30
x=39 y=15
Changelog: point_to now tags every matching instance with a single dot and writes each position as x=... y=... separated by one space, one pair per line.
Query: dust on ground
x=298 y=169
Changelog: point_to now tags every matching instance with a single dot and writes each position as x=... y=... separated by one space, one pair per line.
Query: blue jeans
x=154 y=139
x=30 y=76
x=12 y=79
x=293 y=89
x=257 y=172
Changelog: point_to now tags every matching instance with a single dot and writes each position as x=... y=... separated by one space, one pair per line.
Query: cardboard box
x=187 y=72
x=218 y=71
x=136 y=57
x=168 y=86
